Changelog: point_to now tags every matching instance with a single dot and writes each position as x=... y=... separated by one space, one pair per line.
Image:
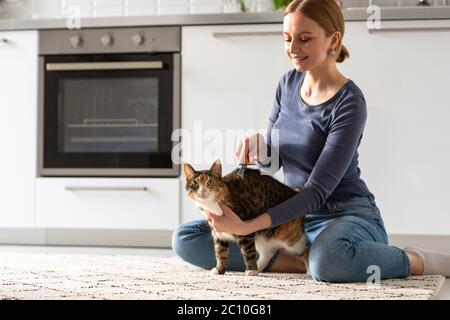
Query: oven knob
x=106 y=40
x=138 y=39
x=75 y=41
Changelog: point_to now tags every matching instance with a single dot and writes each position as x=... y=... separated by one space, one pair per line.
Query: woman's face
x=306 y=44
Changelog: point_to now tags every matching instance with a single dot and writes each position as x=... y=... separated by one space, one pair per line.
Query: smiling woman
x=306 y=29
x=319 y=117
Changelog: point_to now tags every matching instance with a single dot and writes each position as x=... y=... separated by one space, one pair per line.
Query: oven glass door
x=108 y=111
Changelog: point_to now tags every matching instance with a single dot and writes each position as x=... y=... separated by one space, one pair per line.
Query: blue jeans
x=345 y=238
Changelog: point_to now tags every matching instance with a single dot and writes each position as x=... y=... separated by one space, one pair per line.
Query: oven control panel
x=111 y=40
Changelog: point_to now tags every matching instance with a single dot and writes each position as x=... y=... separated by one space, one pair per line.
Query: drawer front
x=107 y=203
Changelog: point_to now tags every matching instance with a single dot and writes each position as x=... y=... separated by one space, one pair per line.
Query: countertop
x=351 y=14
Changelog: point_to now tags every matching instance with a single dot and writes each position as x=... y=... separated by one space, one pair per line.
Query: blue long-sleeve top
x=317 y=146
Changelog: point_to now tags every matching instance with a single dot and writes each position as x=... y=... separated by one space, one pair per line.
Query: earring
x=332 y=52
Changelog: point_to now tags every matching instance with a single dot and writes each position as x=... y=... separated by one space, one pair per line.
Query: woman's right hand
x=251 y=149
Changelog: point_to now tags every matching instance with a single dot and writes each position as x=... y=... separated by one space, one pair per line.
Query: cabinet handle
x=408 y=29
x=246 y=34
x=104 y=188
x=402 y=26
x=3 y=40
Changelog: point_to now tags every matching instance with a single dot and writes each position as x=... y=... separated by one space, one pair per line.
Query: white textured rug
x=75 y=276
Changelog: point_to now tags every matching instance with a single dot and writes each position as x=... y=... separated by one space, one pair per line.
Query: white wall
x=405 y=152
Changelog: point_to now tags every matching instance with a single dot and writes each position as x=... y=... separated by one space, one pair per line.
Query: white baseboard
x=87 y=237
x=33 y=236
x=162 y=238
x=432 y=242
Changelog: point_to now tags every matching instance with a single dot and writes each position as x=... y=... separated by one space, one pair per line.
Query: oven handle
x=122 y=65
x=104 y=188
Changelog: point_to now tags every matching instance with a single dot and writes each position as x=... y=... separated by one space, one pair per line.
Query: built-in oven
x=109 y=101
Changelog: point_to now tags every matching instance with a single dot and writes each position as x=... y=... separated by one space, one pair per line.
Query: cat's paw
x=261 y=265
x=215 y=271
x=251 y=272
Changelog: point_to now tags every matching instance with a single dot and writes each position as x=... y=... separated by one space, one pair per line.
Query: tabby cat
x=248 y=196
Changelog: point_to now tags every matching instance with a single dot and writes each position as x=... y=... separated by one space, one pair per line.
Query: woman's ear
x=335 y=39
x=216 y=168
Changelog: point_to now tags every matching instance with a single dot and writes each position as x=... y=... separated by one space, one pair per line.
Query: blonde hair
x=328 y=15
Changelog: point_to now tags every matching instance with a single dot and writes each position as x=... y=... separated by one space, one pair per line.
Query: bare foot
x=416 y=263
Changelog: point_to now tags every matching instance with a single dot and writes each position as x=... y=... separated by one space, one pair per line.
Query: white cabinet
x=229 y=78
x=404 y=73
x=18 y=101
x=108 y=203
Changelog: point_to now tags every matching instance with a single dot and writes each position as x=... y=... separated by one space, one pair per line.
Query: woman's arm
x=259 y=223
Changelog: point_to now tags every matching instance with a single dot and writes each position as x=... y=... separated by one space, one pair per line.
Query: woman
x=320 y=117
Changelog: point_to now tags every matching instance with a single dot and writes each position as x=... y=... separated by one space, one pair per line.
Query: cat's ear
x=216 y=168
x=188 y=170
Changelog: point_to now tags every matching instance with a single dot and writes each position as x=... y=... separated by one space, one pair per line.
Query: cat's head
x=205 y=185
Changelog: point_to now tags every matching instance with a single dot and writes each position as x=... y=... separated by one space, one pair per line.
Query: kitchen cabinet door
x=229 y=79
x=404 y=71
x=108 y=203
x=18 y=101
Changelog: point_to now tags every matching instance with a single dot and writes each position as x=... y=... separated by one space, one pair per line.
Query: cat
x=248 y=196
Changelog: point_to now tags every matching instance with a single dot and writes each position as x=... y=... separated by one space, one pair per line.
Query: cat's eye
x=210 y=182
x=194 y=184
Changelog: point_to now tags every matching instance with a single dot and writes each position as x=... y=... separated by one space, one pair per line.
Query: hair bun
x=343 y=55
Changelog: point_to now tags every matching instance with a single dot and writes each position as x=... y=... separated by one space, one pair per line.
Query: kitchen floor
x=444 y=293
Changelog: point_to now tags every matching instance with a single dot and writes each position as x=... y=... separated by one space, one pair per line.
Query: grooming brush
x=244 y=159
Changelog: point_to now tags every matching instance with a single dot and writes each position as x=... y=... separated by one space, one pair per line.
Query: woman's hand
x=229 y=222
x=250 y=149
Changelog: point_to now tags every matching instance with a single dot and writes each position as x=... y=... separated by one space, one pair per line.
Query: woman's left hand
x=229 y=222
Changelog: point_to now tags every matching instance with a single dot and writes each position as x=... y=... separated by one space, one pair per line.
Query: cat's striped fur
x=248 y=196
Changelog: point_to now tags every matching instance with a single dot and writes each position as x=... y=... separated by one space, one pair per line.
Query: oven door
x=108 y=115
